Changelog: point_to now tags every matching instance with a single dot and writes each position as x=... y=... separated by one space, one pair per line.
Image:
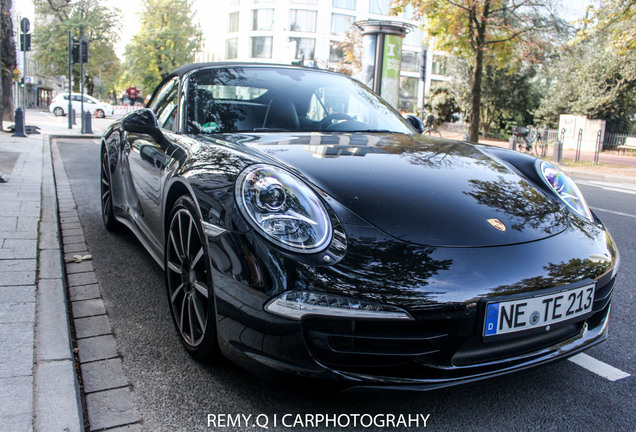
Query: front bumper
x=444 y=289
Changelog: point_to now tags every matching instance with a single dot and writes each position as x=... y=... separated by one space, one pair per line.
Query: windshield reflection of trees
x=386 y=271
x=560 y=274
x=523 y=204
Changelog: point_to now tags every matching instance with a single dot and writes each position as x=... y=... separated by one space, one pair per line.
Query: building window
x=341 y=23
x=302 y=20
x=305 y=2
x=439 y=65
x=304 y=48
x=262 y=19
x=410 y=61
x=262 y=47
x=407 y=100
x=380 y=7
x=336 y=52
x=344 y=4
x=233 y=22
x=413 y=38
x=231 y=48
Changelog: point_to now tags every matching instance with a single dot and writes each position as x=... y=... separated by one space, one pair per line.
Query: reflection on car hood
x=420 y=190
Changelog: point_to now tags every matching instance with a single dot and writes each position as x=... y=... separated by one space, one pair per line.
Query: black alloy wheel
x=100 y=113
x=189 y=281
x=108 y=216
x=58 y=111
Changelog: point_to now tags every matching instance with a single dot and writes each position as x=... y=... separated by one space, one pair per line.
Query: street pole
x=100 y=77
x=70 y=80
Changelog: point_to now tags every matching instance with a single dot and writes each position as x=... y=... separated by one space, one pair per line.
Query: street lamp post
x=100 y=77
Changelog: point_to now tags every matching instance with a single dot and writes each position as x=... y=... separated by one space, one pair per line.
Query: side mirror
x=416 y=123
x=141 y=121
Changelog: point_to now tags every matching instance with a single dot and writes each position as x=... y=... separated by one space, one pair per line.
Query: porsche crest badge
x=497 y=224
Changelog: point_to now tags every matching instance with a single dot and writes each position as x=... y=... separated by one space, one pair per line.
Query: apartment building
x=312 y=31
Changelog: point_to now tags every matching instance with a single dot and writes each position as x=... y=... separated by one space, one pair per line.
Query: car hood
x=418 y=189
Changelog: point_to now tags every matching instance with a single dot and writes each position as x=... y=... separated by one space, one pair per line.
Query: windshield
x=267 y=99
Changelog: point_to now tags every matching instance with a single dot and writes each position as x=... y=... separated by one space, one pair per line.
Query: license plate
x=536 y=312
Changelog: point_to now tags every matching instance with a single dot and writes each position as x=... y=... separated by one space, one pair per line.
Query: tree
x=615 y=19
x=442 y=102
x=509 y=94
x=488 y=31
x=351 y=48
x=84 y=18
x=592 y=79
x=7 y=62
x=167 y=39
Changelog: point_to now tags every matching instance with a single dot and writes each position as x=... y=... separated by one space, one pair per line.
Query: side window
x=165 y=104
x=76 y=98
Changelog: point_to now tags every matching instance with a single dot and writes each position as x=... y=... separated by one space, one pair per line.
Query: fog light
x=297 y=304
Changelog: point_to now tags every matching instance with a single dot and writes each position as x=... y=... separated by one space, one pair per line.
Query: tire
x=189 y=281
x=100 y=113
x=58 y=111
x=108 y=216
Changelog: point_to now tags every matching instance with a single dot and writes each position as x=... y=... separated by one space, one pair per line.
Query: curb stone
x=107 y=391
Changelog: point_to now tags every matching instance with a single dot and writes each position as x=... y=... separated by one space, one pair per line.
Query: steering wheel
x=329 y=120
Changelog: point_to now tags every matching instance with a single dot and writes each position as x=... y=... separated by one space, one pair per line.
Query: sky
x=569 y=9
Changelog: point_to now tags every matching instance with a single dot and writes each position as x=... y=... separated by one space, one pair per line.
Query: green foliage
x=83 y=17
x=509 y=96
x=594 y=80
x=442 y=102
x=614 y=19
x=167 y=39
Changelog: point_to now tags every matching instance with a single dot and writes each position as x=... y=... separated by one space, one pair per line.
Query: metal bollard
x=558 y=151
x=512 y=143
x=19 y=124
x=87 y=123
x=579 y=141
x=73 y=116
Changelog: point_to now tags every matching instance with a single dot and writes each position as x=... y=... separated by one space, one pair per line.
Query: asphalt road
x=175 y=393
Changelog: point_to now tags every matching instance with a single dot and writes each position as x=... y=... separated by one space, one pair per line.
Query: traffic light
x=84 y=50
x=16 y=74
x=22 y=82
x=25 y=42
x=75 y=55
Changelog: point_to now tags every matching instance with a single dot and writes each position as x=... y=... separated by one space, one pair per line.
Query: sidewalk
x=38 y=385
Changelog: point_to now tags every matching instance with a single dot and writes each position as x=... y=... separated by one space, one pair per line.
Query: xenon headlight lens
x=566 y=189
x=296 y=304
x=283 y=208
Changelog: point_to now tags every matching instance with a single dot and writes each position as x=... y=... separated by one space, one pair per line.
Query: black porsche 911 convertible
x=305 y=227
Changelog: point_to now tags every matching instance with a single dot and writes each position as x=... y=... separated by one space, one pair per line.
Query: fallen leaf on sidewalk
x=79 y=258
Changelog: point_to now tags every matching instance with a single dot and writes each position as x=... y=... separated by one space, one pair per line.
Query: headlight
x=296 y=304
x=566 y=189
x=283 y=208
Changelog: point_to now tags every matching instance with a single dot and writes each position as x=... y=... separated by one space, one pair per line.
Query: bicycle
x=429 y=126
x=533 y=141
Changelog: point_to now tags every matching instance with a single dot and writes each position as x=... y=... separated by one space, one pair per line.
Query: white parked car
x=59 y=105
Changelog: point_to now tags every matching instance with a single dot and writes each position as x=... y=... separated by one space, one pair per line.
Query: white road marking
x=615 y=187
x=613 y=212
x=598 y=367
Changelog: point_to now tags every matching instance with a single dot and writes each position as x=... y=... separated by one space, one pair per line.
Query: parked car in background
x=59 y=105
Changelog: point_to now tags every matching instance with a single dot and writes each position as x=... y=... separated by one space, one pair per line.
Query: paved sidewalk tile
x=103 y=375
x=111 y=408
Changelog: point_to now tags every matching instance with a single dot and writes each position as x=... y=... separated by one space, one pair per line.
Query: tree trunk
x=475 y=95
x=7 y=61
